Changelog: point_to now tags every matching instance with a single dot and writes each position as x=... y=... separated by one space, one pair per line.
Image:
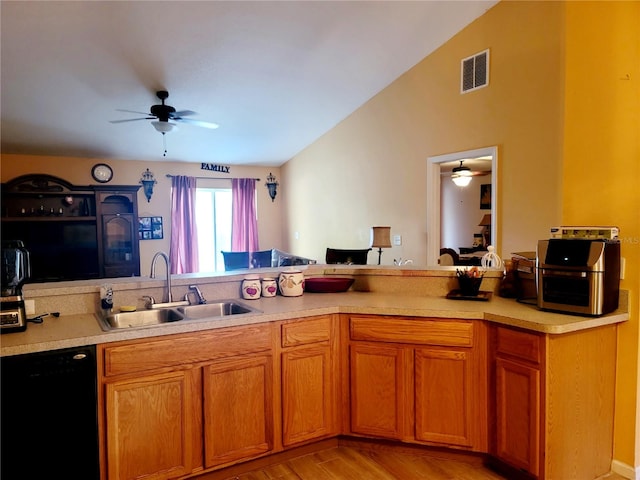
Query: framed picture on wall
x=150 y=228
x=485 y=196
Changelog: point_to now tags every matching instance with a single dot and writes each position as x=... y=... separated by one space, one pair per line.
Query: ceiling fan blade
x=131 y=120
x=471 y=174
x=132 y=111
x=182 y=113
x=197 y=123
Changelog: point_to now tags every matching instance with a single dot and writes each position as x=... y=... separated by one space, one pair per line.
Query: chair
x=448 y=257
x=354 y=257
x=261 y=259
x=235 y=260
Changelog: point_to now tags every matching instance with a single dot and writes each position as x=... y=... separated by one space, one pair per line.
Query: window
x=213 y=217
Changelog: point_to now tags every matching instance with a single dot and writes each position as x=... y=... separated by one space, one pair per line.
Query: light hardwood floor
x=347 y=463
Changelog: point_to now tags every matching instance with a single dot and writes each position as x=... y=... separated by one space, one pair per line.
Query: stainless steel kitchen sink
x=140 y=318
x=218 y=309
x=159 y=316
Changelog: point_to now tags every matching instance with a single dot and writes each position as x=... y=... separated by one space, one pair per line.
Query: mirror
x=436 y=165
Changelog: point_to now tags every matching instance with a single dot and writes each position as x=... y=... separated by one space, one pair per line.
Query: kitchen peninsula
x=392 y=360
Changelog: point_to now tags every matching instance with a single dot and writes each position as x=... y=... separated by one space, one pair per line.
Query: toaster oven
x=580 y=276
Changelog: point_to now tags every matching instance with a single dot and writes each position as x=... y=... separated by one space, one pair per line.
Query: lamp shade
x=486 y=220
x=381 y=237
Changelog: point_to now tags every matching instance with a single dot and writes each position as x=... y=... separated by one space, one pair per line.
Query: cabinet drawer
x=421 y=331
x=523 y=345
x=186 y=349
x=306 y=331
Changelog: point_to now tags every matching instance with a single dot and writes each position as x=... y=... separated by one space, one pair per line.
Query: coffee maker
x=16 y=269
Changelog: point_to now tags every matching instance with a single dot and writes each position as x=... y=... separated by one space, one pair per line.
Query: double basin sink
x=159 y=316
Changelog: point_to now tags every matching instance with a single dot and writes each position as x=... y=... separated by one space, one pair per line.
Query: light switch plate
x=397 y=240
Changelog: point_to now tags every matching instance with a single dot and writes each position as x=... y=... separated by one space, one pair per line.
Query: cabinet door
x=238 y=409
x=443 y=383
x=518 y=414
x=120 y=245
x=308 y=394
x=151 y=427
x=377 y=390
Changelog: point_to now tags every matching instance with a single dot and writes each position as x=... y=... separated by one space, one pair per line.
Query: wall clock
x=101 y=172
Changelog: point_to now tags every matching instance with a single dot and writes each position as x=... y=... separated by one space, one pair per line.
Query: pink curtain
x=184 y=238
x=244 y=229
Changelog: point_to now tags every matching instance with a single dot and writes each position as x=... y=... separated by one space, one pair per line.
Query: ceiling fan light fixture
x=461 y=181
x=163 y=127
x=461 y=175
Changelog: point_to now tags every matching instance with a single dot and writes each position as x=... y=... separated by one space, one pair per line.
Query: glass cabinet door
x=119 y=254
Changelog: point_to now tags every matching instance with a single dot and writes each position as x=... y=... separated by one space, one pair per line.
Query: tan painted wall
x=128 y=172
x=601 y=176
x=370 y=169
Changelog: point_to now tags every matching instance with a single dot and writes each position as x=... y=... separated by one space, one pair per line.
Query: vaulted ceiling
x=275 y=75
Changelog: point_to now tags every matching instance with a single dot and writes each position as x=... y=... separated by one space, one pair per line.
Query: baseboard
x=627 y=471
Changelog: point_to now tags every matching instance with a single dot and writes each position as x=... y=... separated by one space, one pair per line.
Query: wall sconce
x=148 y=182
x=272 y=185
x=380 y=238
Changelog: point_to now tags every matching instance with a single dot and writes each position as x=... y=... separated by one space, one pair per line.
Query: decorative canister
x=251 y=287
x=291 y=283
x=269 y=287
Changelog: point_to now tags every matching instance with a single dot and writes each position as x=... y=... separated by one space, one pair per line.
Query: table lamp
x=380 y=238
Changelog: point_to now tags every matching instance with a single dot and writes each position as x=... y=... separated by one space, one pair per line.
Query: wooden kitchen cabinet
x=419 y=380
x=151 y=427
x=309 y=379
x=553 y=401
x=517 y=398
x=379 y=404
x=185 y=403
x=444 y=398
x=238 y=409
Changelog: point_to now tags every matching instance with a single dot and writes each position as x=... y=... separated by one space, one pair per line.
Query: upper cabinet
x=72 y=232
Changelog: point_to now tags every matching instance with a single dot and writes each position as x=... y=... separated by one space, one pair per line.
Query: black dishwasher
x=49 y=418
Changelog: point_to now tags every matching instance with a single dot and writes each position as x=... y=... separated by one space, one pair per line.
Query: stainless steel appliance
x=579 y=276
x=15 y=271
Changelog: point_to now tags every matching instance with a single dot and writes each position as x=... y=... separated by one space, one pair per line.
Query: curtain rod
x=213 y=178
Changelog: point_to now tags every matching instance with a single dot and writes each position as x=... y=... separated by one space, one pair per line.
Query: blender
x=15 y=272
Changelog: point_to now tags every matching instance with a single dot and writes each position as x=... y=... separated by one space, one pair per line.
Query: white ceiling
x=276 y=75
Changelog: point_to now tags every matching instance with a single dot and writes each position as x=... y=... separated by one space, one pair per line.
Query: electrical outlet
x=397 y=240
x=623 y=264
x=30 y=307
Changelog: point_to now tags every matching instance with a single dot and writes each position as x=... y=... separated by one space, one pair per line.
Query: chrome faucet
x=194 y=289
x=169 y=297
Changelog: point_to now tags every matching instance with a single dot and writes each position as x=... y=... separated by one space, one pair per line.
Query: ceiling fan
x=165 y=117
x=461 y=175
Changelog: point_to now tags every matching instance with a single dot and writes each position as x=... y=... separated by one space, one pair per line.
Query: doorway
x=436 y=166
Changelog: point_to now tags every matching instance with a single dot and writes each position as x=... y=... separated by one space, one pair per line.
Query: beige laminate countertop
x=84 y=329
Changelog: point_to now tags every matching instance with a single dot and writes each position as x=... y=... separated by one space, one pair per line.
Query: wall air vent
x=475 y=72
